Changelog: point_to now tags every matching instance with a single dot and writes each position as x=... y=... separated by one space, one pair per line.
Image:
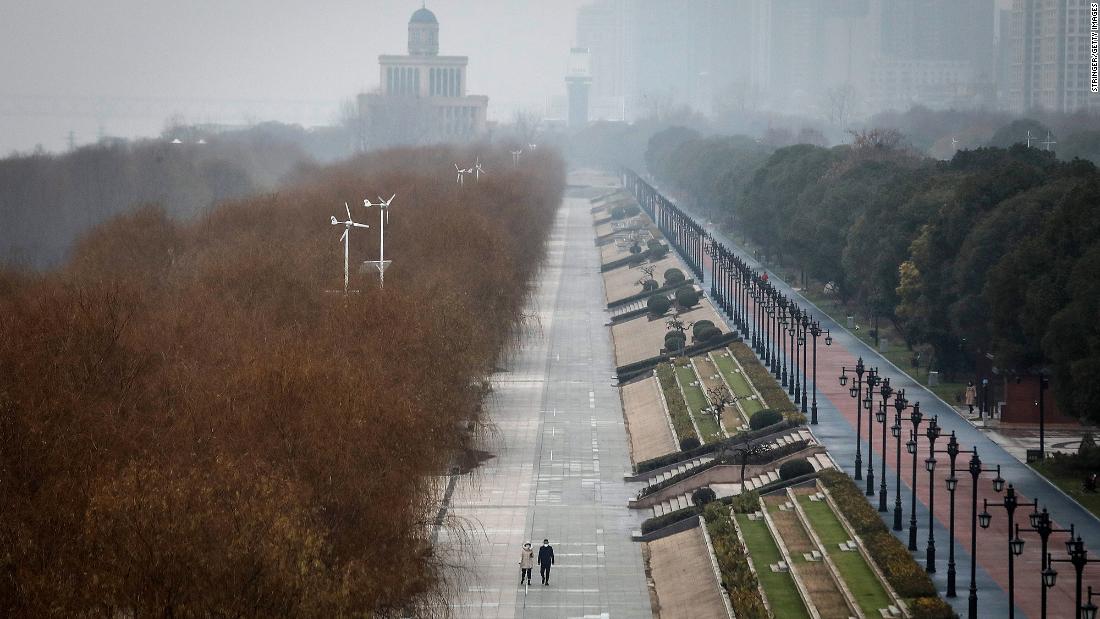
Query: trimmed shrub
x=765 y=418
x=653 y=244
x=688 y=442
x=619 y=212
x=631 y=210
x=674 y=276
x=931 y=608
x=652 y=524
x=702 y=496
x=650 y=284
x=699 y=326
x=707 y=334
x=793 y=468
x=658 y=304
x=674 y=341
x=635 y=249
x=658 y=251
x=687 y=296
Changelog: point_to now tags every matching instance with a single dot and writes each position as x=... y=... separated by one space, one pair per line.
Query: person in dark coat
x=546 y=559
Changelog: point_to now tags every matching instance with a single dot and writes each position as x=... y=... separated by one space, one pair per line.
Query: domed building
x=422 y=95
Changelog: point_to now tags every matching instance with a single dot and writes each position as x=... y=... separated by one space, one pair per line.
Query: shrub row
x=659 y=522
x=904 y=574
x=773 y=394
x=764 y=418
x=738 y=579
x=731 y=442
x=677 y=408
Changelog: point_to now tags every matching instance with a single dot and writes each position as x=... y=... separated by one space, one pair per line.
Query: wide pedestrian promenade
x=560 y=452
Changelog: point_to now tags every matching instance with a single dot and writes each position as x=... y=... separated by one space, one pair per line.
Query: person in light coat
x=526 y=563
x=970 y=396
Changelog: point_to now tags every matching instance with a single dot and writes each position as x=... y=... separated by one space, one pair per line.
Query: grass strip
x=696 y=402
x=778 y=586
x=740 y=583
x=860 y=578
x=677 y=408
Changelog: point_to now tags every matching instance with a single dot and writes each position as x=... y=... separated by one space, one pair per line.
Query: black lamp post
x=952 y=452
x=976 y=470
x=792 y=331
x=1041 y=523
x=933 y=433
x=870 y=383
x=816 y=331
x=885 y=391
x=781 y=333
x=900 y=404
x=803 y=339
x=1088 y=611
x=1079 y=558
x=754 y=292
x=1015 y=545
x=854 y=391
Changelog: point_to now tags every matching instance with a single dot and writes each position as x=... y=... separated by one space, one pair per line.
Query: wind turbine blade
x=458 y=168
x=334 y=222
x=391 y=199
x=360 y=225
x=348 y=210
x=344 y=236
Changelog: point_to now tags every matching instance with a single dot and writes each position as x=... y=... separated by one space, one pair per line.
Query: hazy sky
x=217 y=52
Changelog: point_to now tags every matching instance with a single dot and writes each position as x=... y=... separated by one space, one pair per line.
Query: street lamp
x=870 y=383
x=885 y=391
x=816 y=331
x=792 y=331
x=952 y=452
x=781 y=333
x=933 y=433
x=1015 y=545
x=853 y=391
x=976 y=470
x=911 y=447
x=900 y=404
x=1042 y=524
x=1079 y=557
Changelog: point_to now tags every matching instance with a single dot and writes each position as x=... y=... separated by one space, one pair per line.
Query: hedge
x=794 y=468
x=673 y=276
x=650 y=525
x=764 y=418
x=737 y=577
x=677 y=408
x=658 y=304
x=707 y=334
x=903 y=573
x=650 y=285
x=701 y=496
x=688 y=442
x=774 y=396
x=699 y=326
x=731 y=442
x=687 y=296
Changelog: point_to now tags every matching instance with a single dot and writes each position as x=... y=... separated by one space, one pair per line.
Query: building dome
x=423 y=16
x=423 y=33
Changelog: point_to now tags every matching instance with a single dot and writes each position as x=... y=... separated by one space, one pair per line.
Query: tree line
x=991 y=252
x=196 y=422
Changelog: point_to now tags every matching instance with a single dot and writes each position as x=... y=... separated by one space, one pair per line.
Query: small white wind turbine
x=383 y=219
x=515 y=157
x=1049 y=142
x=477 y=169
x=348 y=225
x=462 y=172
x=1029 y=138
x=532 y=146
x=954 y=144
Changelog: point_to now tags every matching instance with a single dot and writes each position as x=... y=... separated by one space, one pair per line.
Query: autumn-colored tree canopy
x=194 y=423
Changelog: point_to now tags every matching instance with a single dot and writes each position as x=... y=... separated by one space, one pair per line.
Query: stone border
x=752 y=567
x=863 y=551
x=714 y=566
x=783 y=552
x=833 y=570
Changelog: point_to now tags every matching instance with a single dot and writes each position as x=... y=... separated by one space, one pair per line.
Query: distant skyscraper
x=578 y=81
x=1049 y=48
x=422 y=97
x=603 y=28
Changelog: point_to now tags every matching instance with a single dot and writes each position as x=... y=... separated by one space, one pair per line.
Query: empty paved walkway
x=561 y=453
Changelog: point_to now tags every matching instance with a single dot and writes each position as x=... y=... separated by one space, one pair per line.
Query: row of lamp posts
x=782 y=334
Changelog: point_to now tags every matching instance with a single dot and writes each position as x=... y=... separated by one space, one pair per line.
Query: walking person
x=970 y=396
x=526 y=562
x=546 y=559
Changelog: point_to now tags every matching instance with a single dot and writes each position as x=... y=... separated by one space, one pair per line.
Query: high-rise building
x=1050 y=56
x=603 y=28
x=578 y=81
x=422 y=95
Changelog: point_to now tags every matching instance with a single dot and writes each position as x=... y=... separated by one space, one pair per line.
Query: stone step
x=725 y=490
